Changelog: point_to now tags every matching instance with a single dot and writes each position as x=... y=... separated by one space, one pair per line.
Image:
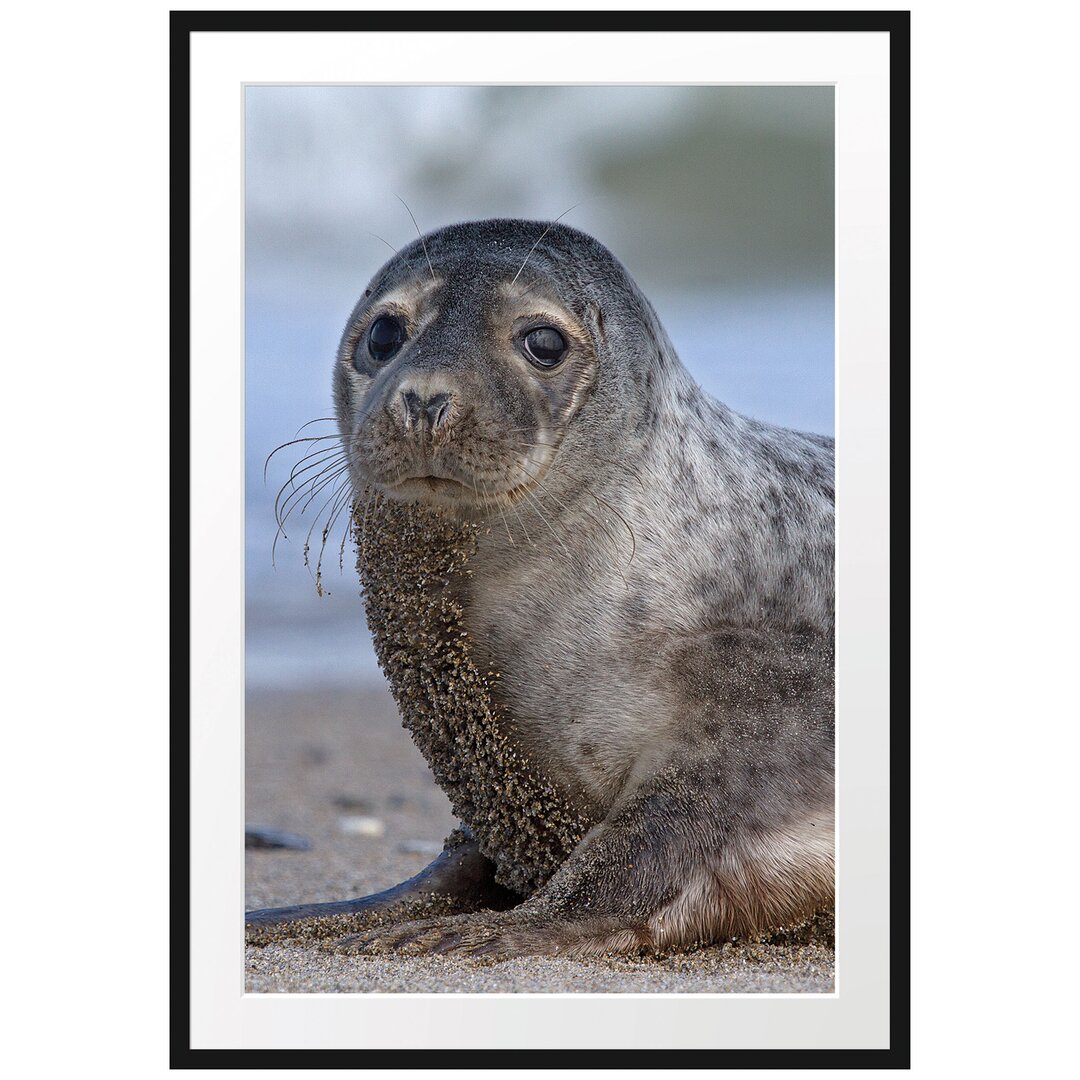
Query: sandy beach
x=337 y=769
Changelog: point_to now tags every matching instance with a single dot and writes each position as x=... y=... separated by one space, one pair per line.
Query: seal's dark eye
x=385 y=336
x=546 y=346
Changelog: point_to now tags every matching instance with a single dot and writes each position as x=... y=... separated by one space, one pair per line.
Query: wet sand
x=336 y=768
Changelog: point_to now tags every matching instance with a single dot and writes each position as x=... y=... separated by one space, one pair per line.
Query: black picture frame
x=894 y=23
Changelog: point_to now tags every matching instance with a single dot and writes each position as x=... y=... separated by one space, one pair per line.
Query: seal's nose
x=434 y=410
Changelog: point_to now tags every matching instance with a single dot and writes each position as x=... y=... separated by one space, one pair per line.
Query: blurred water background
x=719 y=201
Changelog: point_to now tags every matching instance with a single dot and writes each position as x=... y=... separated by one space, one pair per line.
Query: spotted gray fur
x=651 y=592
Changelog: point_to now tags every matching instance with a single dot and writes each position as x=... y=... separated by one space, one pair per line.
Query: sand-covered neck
x=414 y=569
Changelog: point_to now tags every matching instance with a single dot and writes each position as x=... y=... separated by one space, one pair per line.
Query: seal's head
x=479 y=353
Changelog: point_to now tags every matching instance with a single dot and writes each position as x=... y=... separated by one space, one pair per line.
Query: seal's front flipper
x=459 y=880
x=650 y=879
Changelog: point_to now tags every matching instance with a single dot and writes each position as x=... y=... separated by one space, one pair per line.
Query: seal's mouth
x=443 y=490
x=433 y=486
x=471 y=474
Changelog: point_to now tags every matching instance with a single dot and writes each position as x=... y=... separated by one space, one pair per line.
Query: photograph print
x=540 y=543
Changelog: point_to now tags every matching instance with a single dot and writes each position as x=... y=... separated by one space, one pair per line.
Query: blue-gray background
x=719 y=200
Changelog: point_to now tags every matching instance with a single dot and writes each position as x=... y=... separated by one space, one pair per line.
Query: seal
x=604 y=604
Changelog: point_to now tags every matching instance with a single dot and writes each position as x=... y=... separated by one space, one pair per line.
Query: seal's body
x=604 y=602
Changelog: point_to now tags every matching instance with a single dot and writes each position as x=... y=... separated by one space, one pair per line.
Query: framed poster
x=750 y=170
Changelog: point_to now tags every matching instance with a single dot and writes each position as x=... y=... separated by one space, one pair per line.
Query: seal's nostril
x=438 y=409
x=413 y=407
x=433 y=412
